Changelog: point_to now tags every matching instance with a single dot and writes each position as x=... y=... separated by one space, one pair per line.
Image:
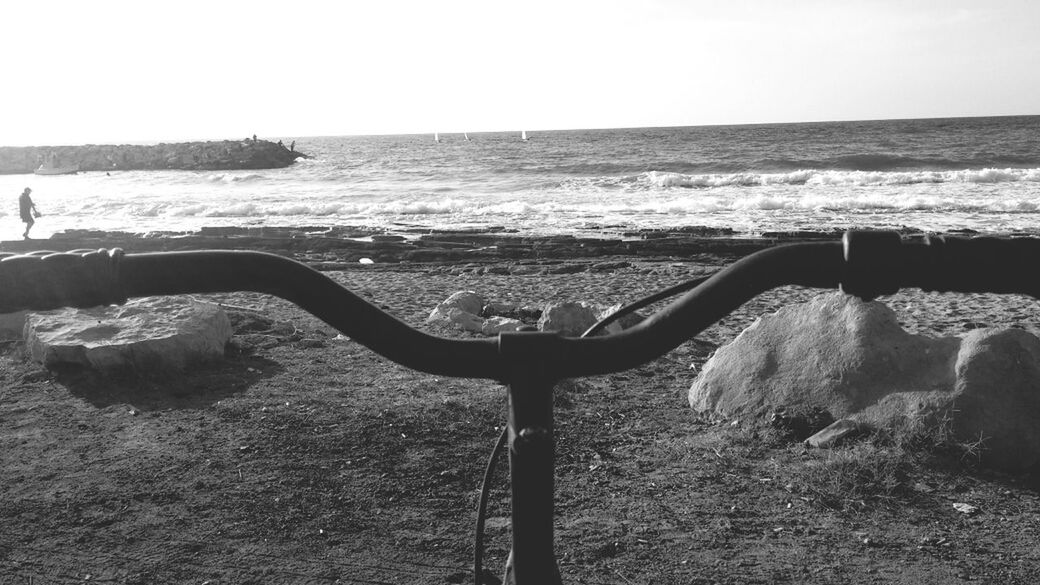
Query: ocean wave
x=890 y=162
x=238 y=210
x=234 y=178
x=665 y=180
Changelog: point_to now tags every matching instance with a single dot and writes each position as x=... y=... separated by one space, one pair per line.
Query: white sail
x=436 y=137
x=466 y=135
x=523 y=135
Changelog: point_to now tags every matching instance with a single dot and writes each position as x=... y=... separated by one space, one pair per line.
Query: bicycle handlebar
x=44 y=281
x=866 y=264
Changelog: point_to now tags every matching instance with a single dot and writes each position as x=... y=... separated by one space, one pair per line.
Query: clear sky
x=105 y=71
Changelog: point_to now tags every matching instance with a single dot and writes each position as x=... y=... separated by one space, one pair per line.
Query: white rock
x=148 y=335
x=570 y=318
x=834 y=434
x=854 y=360
x=463 y=320
x=574 y=318
x=496 y=325
x=465 y=301
x=964 y=508
x=621 y=323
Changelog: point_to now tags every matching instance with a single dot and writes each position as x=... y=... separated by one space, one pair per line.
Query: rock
x=621 y=323
x=853 y=360
x=248 y=321
x=12 y=325
x=964 y=508
x=465 y=309
x=834 y=434
x=462 y=310
x=214 y=155
x=497 y=309
x=574 y=318
x=466 y=301
x=155 y=334
x=570 y=318
x=496 y=325
x=998 y=395
x=459 y=318
x=834 y=352
x=609 y=266
x=566 y=269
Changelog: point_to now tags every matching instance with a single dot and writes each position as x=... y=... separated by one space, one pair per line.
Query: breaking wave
x=850 y=178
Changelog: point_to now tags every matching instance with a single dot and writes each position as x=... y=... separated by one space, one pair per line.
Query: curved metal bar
x=45 y=281
x=166 y=273
x=812 y=264
x=865 y=264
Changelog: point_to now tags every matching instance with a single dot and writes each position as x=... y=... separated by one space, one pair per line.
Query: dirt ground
x=306 y=458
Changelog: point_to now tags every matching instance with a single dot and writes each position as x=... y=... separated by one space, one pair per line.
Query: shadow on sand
x=196 y=388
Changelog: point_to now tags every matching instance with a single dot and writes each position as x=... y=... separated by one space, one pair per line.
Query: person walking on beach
x=27 y=209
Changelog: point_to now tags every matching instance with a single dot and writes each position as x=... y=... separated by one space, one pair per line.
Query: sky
x=106 y=71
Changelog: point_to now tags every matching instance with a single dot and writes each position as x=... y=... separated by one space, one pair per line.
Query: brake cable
x=485 y=485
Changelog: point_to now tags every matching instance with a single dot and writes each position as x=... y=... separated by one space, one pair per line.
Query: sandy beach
x=306 y=458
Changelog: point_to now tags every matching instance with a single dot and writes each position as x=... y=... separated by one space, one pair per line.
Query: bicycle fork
x=532 y=376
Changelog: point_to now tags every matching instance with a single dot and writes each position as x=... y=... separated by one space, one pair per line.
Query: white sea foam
x=235 y=177
x=575 y=183
x=849 y=178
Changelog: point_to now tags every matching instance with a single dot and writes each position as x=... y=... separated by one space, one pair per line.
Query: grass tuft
x=878 y=469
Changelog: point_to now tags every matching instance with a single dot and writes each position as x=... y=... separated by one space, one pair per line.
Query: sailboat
x=466 y=135
x=523 y=135
x=436 y=137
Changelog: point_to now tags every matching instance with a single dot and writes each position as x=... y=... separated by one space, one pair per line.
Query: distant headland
x=203 y=156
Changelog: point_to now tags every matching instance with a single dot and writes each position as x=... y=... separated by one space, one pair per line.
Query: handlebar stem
x=531 y=359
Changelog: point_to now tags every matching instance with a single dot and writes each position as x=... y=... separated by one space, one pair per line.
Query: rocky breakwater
x=203 y=156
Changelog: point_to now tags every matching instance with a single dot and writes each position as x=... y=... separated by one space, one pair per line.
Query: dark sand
x=306 y=458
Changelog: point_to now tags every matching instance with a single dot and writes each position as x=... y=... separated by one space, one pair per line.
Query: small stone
x=965 y=508
x=835 y=433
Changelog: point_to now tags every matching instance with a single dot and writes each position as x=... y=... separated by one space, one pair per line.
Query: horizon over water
x=939 y=175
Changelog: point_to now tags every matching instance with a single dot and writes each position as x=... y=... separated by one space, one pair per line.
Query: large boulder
x=853 y=359
x=150 y=335
x=12 y=325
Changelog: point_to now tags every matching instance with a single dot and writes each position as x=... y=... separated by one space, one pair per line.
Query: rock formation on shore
x=854 y=360
x=205 y=156
x=157 y=335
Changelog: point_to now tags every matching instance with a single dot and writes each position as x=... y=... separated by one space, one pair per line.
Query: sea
x=932 y=175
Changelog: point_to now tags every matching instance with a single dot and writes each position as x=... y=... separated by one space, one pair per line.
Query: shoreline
x=349 y=244
x=304 y=455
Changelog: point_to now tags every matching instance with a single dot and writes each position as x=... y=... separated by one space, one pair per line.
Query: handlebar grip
x=43 y=281
x=879 y=263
